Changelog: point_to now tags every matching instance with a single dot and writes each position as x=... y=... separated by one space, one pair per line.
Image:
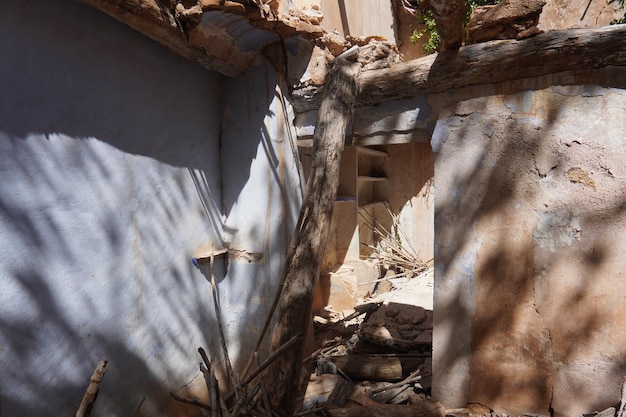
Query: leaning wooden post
x=303 y=266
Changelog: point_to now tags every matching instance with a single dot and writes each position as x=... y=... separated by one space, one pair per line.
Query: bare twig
x=393 y=246
x=408 y=7
x=91 y=394
x=267 y=362
x=266 y=398
x=244 y=400
x=218 y=317
x=208 y=372
x=413 y=377
x=311 y=411
x=192 y=401
x=136 y=413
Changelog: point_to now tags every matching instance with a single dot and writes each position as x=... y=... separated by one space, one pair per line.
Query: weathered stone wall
x=567 y=14
x=530 y=237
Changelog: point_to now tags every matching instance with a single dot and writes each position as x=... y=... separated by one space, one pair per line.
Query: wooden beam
x=304 y=260
x=498 y=61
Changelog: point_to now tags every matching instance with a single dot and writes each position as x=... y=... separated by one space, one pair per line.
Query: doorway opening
x=372 y=314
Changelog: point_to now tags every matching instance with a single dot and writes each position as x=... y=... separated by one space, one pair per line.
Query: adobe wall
x=117 y=160
x=530 y=238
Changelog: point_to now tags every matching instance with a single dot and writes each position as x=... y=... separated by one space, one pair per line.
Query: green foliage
x=427 y=20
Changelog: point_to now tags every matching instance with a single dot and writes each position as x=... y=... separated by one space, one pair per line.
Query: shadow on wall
x=529 y=230
x=110 y=168
x=261 y=200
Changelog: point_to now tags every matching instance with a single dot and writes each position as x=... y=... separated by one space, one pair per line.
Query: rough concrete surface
x=530 y=231
x=117 y=160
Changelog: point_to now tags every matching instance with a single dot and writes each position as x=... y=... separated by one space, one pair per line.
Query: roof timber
x=224 y=36
x=573 y=53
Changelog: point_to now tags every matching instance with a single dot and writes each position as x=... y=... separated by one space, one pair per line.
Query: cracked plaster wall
x=530 y=238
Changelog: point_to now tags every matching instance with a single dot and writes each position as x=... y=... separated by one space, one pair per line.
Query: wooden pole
x=303 y=266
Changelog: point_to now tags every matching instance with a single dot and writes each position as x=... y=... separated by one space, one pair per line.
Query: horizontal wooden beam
x=497 y=61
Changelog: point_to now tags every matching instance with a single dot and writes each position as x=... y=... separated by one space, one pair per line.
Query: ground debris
x=381 y=350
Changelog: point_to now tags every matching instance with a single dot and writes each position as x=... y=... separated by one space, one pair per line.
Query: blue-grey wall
x=113 y=170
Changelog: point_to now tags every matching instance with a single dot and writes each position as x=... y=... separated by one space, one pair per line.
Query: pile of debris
x=376 y=355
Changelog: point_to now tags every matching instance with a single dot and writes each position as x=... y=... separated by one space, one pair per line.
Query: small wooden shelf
x=371 y=152
x=370 y=179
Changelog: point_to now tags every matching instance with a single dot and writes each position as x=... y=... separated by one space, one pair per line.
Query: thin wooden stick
x=264 y=394
x=413 y=377
x=218 y=318
x=243 y=400
x=311 y=411
x=267 y=362
x=91 y=394
x=209 y=378
x=270 y=314
x=192 y=401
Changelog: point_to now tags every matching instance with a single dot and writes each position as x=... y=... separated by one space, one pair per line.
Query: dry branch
x=394 y=248
x=91 y=394
x=218 y=318
x=192 y=401
x=414 y=377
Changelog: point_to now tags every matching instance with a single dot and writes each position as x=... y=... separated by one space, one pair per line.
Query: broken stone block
x=507 y=20
x=400 y=326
